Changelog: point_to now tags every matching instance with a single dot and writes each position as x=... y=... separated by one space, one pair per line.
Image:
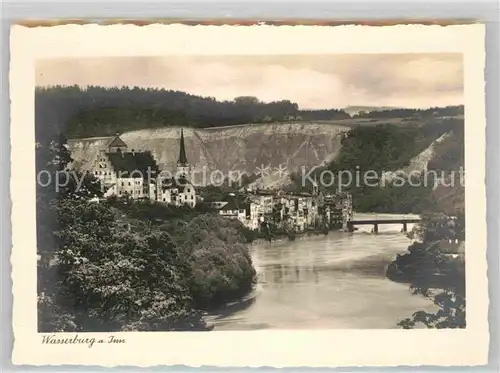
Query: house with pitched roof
x=125 y=172
x=177 y=191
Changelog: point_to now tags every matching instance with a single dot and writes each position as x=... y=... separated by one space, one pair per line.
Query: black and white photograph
x=250 y=192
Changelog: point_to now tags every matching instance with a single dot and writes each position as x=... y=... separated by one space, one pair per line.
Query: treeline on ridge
x=448 y=111
x=100 y=111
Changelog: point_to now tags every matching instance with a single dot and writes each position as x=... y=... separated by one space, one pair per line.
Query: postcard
x=246 y=196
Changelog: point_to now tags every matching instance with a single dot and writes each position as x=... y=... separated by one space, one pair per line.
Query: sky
x=312 y=81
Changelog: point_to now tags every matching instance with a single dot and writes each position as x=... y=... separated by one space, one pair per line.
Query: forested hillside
x=98 y=111
x=449 y=157
x=375 y=150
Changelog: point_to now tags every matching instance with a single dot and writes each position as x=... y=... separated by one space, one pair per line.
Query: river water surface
x=326 y=282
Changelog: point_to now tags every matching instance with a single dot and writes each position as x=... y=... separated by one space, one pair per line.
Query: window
x=192 y=197
x=129 y=183
x=123 y=183
x=189 y=190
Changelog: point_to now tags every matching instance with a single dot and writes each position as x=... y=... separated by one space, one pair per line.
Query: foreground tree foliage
x=218 y=266
x=435 y=268
x=123 y=265
x=113 y=279
x=220 y=262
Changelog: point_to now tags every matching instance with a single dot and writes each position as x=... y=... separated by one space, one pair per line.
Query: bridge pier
x=404 y=222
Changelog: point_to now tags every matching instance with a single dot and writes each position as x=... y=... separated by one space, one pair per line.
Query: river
x=326 y=282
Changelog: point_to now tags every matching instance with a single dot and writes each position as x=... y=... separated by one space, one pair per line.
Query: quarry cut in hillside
x=420 y=162
x=243 y=148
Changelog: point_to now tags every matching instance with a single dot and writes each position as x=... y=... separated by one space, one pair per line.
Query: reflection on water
x=326 y=282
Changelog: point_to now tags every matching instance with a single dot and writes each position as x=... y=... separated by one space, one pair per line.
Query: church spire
x=182 y=152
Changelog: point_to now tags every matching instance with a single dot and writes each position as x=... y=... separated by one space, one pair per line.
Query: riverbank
x=396 y=228
x=298 y=236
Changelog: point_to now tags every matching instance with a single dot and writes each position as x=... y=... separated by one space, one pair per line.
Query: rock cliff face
x=245 y=148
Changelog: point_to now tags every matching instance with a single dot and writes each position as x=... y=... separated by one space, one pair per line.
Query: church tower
x=182 y=163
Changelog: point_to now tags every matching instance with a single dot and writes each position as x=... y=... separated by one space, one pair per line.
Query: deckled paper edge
x=260 y=348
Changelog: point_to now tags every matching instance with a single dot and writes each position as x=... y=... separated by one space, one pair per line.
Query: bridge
x=376 y=222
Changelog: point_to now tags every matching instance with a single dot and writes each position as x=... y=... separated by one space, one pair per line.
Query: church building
x=178 y=190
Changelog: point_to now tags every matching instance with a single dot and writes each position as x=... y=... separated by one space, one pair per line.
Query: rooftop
x=117 y=142
x=134 y=165
x=175 y=182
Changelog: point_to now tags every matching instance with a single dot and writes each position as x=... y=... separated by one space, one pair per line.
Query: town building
x=337 y=209
x=289 y=211
x=125 y=172
x=135 y=174
x=236 y=207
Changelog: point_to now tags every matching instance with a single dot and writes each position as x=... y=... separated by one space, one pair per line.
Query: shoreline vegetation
x=434 y=267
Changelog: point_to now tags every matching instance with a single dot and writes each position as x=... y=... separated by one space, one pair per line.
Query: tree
x=113 y=279
x=100 y=111
x=220 y=263
x=246 y=100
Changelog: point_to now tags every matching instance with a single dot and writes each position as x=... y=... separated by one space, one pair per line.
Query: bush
x=433 y=273
x=221 y=265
